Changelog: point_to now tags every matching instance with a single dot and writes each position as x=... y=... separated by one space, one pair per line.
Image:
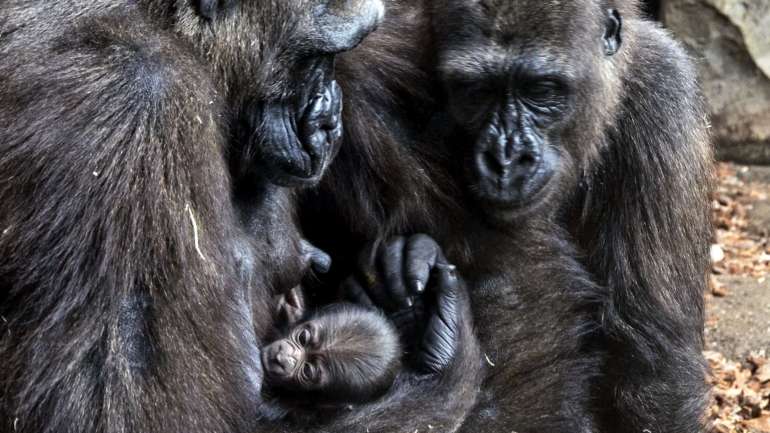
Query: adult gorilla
x=142 y=236
x=565 y=169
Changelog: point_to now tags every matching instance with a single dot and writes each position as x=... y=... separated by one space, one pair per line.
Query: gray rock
x=759 y=218
x=731 y=41
x=755 y=173
x=743 y=318
x=759 y=213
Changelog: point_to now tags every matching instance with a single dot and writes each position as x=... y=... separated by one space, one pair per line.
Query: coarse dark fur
x=589 y=300
x=142 y=231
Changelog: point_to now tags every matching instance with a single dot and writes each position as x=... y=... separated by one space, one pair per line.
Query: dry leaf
x=761 y=424
x=763 y=373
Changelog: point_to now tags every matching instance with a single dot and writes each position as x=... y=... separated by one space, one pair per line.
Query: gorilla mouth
x=515 y=194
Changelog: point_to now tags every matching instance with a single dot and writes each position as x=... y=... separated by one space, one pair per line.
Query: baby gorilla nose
x=286 y=361
x=279 y=359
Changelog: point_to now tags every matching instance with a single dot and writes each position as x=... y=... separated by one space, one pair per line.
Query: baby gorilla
x=338 y=355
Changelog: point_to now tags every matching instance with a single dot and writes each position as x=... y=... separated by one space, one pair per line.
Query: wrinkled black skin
x=588 y=292
x=140 y=245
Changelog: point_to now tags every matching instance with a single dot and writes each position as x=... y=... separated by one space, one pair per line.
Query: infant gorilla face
x=344 y=353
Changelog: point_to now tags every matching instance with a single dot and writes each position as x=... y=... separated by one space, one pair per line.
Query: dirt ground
x=738 y=305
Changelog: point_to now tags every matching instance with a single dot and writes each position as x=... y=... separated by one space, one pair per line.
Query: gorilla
x=331 y=357
x=149 y=152
x=344 y=353
x=557 y=153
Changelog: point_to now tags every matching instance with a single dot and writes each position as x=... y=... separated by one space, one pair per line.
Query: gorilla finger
x=356 y=294
x=421 y=255
x=441 y=338
x=449 y=286
x=391 y=258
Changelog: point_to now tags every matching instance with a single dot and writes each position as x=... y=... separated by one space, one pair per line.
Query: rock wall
x=731 y=41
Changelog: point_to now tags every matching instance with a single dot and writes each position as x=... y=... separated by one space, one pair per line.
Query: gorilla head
x=341 y=354
x=531 y=85
x=286 y=102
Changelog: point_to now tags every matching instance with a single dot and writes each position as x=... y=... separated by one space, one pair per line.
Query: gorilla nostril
x=490 y=161
x=496 y=163
x=526 y=160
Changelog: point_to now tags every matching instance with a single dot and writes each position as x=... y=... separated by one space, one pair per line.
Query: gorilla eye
x=303 y=337
x=542 y=90
x=307 y=372
x=546 y=96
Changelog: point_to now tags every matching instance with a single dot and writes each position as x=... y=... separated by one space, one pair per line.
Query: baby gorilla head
x=342 y=354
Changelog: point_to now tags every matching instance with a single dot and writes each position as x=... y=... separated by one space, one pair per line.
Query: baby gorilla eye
x=308 y=372
x=303 y=337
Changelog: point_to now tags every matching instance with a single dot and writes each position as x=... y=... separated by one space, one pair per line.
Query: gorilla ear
x=613 y=28
x=210 y=8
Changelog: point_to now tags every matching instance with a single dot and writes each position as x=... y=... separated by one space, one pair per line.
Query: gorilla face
x=517 y=79
x=514 y=128
x=344 y=353
x=287 y=105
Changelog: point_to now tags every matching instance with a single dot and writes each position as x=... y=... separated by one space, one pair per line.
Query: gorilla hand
x=410 y=279
x=393 y=273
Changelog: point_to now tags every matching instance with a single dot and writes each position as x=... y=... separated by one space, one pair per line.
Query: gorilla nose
x=506 y=163
x=286 y=361
x=279 y=357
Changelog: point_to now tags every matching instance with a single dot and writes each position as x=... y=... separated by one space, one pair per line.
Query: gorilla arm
x=646 y=228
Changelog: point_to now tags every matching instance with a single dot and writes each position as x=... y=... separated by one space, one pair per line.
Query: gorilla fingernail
x=451 y=270
x=419 y=287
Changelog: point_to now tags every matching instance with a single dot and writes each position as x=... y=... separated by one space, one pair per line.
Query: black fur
x=589 y=305
x=143 y=233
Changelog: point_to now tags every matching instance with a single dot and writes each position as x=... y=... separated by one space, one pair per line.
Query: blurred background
x=730 y=40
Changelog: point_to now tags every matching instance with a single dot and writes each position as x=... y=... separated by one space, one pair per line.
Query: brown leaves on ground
x=736 y=250
x=741 y=394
